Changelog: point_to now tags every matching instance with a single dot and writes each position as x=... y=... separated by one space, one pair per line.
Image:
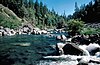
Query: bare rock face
x=72 y=49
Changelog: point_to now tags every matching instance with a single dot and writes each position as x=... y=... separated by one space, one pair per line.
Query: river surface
x=13 y=52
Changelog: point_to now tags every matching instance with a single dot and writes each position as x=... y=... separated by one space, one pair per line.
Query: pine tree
x=31 y=3
x=41 y=8
x=76 y=7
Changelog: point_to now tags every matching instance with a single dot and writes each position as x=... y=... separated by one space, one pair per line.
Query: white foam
x=83 y=47
x=58 y=63
x=92 y=47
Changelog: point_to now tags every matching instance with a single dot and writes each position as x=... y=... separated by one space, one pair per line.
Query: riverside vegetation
x=17 y=13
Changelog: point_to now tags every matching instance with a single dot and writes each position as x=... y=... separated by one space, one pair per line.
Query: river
x=12 y=53
x=31 y=50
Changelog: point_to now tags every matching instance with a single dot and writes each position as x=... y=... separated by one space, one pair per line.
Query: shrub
x=75 y=26
x=89 y=30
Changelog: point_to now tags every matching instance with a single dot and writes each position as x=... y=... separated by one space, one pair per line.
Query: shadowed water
x=24 y=49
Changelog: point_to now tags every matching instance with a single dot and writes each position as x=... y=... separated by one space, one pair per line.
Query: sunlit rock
x=63 y=37
x=59 y=48
x=58 y=37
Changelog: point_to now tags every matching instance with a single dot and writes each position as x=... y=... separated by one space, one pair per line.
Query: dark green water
x=11 y=54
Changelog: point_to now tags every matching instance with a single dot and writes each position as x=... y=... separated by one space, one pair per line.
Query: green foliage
x=35 y=13
x=9 y=21
x=89 y=13
x=90 y=31
x=75 y=25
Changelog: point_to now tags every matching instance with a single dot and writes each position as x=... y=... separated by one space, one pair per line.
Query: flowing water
x=31 y=50
x=25 y=49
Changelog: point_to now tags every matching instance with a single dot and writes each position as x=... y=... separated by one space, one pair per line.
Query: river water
x=12 y=53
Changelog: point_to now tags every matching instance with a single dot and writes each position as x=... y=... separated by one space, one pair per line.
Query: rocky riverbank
x=27 y=30
x=82 y=49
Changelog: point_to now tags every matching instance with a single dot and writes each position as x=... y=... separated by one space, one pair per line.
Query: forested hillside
x=36 y=13
x=8 y=18
x=89 y=13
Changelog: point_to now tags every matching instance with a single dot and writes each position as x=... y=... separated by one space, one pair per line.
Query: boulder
x=44 y=31
x=12 y=32
x=80 y=40
x=68 y=40
x=33 y=32
x=72 y=49
x=58 y=37
x=59 y=48
x=63 y=37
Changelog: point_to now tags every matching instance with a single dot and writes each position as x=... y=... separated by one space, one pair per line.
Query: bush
x=89 y=30
x=75 y=26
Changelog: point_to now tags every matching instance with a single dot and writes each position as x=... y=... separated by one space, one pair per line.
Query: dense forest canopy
x=35 y=12
x=89 y=13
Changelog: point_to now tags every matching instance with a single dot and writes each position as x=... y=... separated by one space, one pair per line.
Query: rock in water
x=58 y=37
x=93 y=48
x=63 y=37
x=72 y=49
x=59 y=48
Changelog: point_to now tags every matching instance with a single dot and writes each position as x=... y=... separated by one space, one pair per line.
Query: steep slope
x=8 y=18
